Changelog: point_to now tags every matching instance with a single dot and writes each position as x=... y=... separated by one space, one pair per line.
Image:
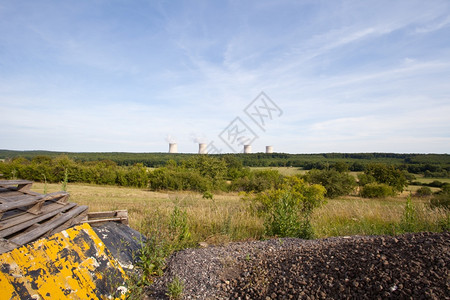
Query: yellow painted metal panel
x=71 y=264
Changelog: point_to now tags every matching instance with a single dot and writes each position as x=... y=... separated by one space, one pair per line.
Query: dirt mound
x=360 y=267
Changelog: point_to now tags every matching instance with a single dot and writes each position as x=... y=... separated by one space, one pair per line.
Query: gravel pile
x=360 y=267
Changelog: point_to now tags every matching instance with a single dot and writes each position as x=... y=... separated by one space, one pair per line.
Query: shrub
x=178 y=179
x=440 y=201
x=336 y=183
x=442 y=198
x=377 y=190
x=424 y=191
x=364 y=179
x=436 y=183
x=287 y=210
x=388 y=175
x=257 y=181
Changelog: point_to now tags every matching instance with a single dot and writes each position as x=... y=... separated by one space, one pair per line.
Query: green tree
x=387 y=174
x=336 y=183
x=341 y=166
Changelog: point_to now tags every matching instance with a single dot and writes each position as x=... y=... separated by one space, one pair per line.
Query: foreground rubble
x=360 y=267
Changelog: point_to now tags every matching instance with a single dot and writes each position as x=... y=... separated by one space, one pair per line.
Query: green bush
x=364 y=179
x=423 y=191
x=388 y=175
x=440 y=201
x=257 y=181
x=442 y=198
x=287 y=210
x=178 y=180
x=377 y=190
x=336 y=183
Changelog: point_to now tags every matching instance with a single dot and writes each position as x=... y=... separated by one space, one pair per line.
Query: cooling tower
x=173 y=148
x=269 y=149
x=247 y=148
x=202 y=148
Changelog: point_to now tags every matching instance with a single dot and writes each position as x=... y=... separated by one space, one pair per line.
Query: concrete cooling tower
x=202 y=148
x=173 y=148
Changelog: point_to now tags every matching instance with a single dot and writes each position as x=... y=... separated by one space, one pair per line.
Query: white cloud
x=349 y=76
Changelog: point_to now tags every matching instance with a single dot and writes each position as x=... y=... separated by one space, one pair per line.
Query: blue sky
x=347 y=76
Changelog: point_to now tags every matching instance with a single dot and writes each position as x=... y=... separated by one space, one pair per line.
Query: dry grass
x=222 y=219
x=226 y=217
x=285 y=171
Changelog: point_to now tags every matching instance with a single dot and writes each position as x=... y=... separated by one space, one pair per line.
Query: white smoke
x=171 y=139
x=198 y=138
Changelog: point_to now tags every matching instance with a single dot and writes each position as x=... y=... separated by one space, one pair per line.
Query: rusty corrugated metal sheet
x=71 y=264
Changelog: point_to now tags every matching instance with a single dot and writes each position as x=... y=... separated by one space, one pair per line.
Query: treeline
x=205 y=173
x=431 y=165
x=46 y=169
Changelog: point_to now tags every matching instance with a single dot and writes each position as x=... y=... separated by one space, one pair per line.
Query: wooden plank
x=117 y=215
x=21 y=203
x=24 y=186
x=101 y=214
x=18 y=197
x=23 y=216
x=6 y=246
x=12 y=190
x=55 y=195
x=20 y=226
x=123 y=215
x=38 y=232
x=73 y=221
x=104 y=220
x=6 y=183
x=29 y=200
x=36 y=209
x=9 y=193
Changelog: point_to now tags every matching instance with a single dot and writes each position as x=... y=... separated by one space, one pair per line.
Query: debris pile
x=26 y=216
x=358 y=267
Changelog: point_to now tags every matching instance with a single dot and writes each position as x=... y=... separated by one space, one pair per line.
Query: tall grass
x=359 y=216
x=226 y=218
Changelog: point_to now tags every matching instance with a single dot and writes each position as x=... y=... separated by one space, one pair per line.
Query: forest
x=373 y=174
x=431 y=164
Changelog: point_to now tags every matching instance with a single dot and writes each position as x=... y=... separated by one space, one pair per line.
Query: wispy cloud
x=350 y=76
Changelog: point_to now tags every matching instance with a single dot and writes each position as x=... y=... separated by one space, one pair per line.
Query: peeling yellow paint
x=71 y=264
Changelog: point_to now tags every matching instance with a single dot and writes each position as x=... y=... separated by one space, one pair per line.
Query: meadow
x=226 y=217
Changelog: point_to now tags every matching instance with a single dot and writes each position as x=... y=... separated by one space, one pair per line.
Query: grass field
x=286 y=171
x=226 y=217
x=428 y=180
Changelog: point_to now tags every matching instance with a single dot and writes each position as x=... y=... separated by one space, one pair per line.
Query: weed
x=175 y=288
x=208 y=195
x=409 y=220
x=152 y=259
x=179 y=228
x=136 y=290
x=65 y=180
x=45 y=184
